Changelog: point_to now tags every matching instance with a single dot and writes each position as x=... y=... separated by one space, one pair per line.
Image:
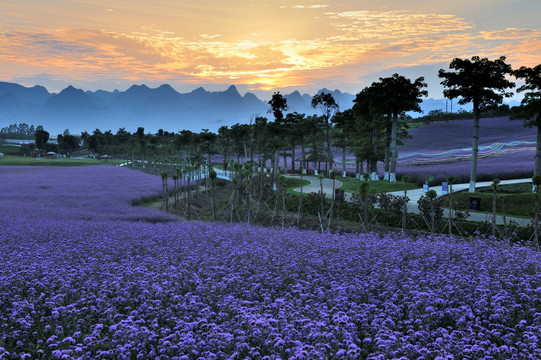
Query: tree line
x=372 y=129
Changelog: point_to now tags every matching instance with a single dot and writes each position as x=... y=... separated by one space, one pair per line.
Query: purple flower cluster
x=112 y=288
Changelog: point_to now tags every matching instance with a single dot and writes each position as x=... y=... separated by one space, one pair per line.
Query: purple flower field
x=109 y=286
x=506 y=166
x=76 y=193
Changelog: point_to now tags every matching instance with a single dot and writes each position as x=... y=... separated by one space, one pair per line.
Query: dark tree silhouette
x=278 y=105
x=398 y=95
x=482 y=82
x=530 y=108
x=41 y=137
x=328 y=107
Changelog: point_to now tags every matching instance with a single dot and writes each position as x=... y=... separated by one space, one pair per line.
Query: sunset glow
x=264 y=45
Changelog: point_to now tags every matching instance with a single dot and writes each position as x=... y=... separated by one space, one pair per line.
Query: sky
x=260 y=46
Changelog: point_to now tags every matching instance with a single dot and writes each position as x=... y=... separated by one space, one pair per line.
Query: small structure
x=105 y=157
x=1 y=155
x=51 y=155
x=315 y=158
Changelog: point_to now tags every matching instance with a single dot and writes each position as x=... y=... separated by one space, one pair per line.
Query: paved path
x=415 y=195
x=315 y=185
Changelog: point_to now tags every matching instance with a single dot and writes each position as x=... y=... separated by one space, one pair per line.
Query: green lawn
x=518 y=204
x=9 y=150
x=24 y=160
x=292 y=183
x=351 y=185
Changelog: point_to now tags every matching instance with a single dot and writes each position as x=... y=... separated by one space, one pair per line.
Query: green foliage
x=479 y=81
x=530 y=109
x=278 y=105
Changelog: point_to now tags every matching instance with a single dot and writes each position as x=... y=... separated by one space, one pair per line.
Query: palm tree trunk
x=475 y=147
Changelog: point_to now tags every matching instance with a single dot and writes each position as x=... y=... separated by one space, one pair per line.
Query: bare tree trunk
x=450 y=208
x=344 y=161
x=301 y=209
x=275 y=169
x=536 y=224
x=388 y=138
x=303 y=154
x=293 y=158
x=328 y=135
x=322 y=193
x=475 y=147
x=394 y=149
x=494 y=212
x=537 y=168
x=373 y=164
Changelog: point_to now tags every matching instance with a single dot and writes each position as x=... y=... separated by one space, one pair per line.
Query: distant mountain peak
x=232 y=90
x=199 y=90
x=166 y=87
x=136 y=87
x=295 y=93
x=70 y=89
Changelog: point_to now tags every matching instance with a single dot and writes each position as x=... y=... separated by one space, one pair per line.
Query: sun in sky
x=258 y=45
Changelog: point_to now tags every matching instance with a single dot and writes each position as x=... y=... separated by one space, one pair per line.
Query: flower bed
x=109 y=287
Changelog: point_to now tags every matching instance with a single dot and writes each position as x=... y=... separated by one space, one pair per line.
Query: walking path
x=415 y=195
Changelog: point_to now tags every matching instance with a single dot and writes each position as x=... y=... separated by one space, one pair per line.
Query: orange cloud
x=510 y=34
x=329 y=45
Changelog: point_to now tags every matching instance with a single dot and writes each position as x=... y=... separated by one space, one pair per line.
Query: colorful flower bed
x=112 y=287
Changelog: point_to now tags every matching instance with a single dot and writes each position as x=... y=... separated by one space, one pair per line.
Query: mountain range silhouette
x=152 y=108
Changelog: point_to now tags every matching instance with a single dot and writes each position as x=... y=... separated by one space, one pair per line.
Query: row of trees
x=18 y=131
x=372 y=129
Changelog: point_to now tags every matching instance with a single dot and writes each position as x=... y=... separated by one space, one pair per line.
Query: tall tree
x=207 y=140
x=370 y=127
x=530 y=108
x=399 y=95
x=345 y=131
x=291 y=122
x=278 y=105
x=260 y=132
x=482 y=82
x=224 y=136
x=328 y=107
x=41 y=137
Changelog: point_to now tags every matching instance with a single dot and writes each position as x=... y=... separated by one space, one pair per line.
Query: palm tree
x=481 y=82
